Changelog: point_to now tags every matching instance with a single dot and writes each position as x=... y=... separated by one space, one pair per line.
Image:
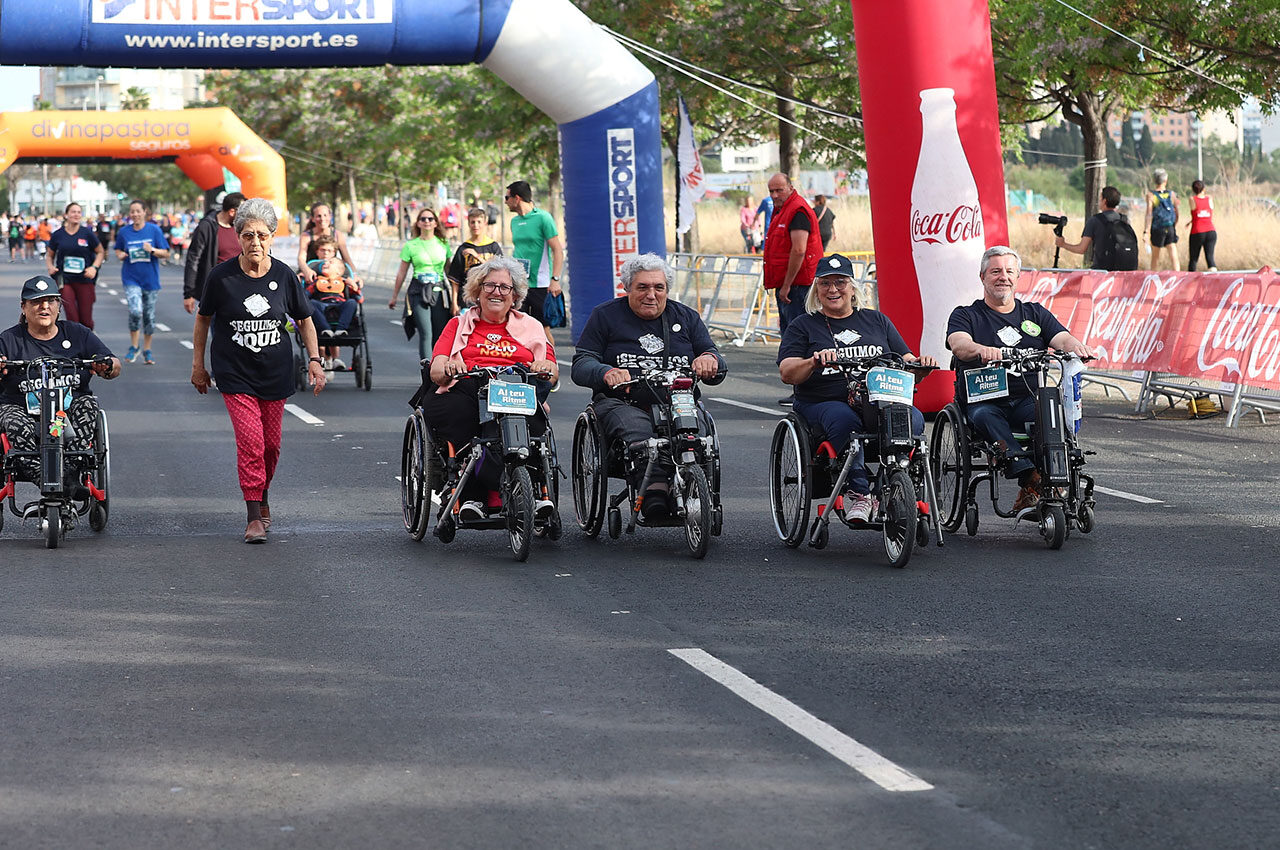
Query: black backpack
x=1119 y=251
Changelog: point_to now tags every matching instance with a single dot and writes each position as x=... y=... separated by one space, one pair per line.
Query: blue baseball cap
x=835 y=264
x=40 y=286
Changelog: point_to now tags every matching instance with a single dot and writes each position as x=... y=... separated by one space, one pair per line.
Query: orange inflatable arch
x=199 y=141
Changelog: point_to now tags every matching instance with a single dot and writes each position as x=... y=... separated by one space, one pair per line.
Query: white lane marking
x=303 y=415
x=397 y=322
x=163 y=328
x=745 y=406
x=124 y=301
x=113 y=291
x=866 y=761
x=1133 y=497
x=186 y=343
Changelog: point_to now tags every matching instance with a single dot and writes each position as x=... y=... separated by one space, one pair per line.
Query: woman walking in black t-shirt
x=247 y=301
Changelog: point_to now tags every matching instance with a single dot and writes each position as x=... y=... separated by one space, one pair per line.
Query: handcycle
x=962 y=460
x=58 y=506
x=695 y=483
x=804 y=466
x=432 y=474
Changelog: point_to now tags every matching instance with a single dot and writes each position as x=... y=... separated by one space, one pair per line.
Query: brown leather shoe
x=256 y=532
x=266 y=518
x=1027 y=497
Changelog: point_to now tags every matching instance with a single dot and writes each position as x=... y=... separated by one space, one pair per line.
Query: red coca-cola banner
x=1223 y=327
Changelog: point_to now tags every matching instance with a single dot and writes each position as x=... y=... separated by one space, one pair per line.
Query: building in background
x=108 y=88
x=1239 y=127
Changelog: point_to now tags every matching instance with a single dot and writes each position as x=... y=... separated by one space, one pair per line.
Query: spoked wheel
x=414 y=495
x=697 y=510
x=590 y=480
x=100 y=510
x=789 y=481
x=51 y=525
x=899 y=518
x=949 y=462
x=517 y=492
x=1053 y=526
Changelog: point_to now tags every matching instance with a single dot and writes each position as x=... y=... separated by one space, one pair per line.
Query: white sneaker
x=859 y=507
x=543 y=508
x=471 y=510
x=337 y=363
x=326 y=332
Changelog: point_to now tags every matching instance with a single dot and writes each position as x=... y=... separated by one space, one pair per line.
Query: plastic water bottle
x=946 y=221
x=1072 y=384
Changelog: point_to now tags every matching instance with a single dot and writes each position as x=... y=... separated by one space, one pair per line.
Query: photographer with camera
x=1109 y=233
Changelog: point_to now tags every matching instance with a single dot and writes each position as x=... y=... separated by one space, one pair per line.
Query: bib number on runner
x=73 y=265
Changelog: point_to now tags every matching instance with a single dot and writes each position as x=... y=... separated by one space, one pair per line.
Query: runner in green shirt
x=430 y=299
x=537 y=244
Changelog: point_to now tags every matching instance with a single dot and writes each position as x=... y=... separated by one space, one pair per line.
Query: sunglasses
x=426 y=218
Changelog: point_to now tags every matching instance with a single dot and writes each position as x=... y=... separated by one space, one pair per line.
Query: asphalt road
x=162 y=684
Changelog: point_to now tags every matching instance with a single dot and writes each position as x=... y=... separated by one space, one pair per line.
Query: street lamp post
x=1135 y=127
x=1199 y=128
x=97 y=93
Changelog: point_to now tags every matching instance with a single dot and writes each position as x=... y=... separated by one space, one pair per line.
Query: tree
x=1146 y=146
x=1051 y=59
x=135 y=98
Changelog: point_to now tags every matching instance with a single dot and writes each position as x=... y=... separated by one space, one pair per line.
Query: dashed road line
x=745 y=406
x=163 y=328
x=303 y=415
x=186 y=343
x=861 y=758
x=1133 y=497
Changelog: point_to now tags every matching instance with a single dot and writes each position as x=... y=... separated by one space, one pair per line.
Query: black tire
x=712 y=467
x=922 y=531
x=899 y=527
x=589 y=475
x=357 y=365
x=949 y=459
x=698 y=509
x=971 y=520
x=368 y=375
x=790 y=481
x=100 y=510
x=1084 y=519
x=51 y=525
x=1053 y=526
x=823 y=537
x=415 y=496
x=615 y=523
x=446 y=529
x=517 y=497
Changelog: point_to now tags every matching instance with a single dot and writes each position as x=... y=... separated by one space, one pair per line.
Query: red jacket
x=777 y=244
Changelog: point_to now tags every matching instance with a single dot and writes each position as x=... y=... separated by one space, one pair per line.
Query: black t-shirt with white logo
x=73 y=253
x=72 y=340
x=251 y=351
x=615 y=336
x=864 y=333
x=1028 y=327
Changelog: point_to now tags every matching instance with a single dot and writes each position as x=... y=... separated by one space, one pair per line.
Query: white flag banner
x=693 y=183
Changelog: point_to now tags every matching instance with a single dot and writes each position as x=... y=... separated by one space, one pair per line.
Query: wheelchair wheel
x=1053 y=526
x=517 y=496
x=949 y=459
x=790 y=482
x=697 y=510
x=971 y=520
x=51 y=525
x=590 y=477
x=415 y=495
x=1084 y=519
x=899 y=528
x=100 y=510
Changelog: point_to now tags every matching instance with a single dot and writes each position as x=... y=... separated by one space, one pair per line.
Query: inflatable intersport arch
x=604 y=101
x=201 y=142
x=928 y=52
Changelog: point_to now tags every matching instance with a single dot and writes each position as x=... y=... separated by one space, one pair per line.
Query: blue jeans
x=995 y=420
x=346 y=312
x=837 y=421
x=142 y=308
x=788 y=313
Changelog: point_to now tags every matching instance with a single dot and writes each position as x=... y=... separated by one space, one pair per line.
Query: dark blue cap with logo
x=40 y=286
x=835 y=264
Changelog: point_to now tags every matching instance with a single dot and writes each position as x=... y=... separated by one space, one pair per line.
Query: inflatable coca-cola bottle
x=946 y=222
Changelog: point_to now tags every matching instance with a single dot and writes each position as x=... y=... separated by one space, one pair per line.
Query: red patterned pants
x=257 y=426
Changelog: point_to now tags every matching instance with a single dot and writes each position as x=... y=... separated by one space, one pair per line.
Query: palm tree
x=135 y=98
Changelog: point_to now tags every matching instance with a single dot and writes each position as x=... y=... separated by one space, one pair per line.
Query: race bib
x=510 y=397
x=138 y=253
x=983 y=384
x=73 y=265
x=891 y=385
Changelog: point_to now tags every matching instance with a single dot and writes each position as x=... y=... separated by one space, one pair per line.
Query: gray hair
x=997 y=251
x=813 y=301
x=1160 y=176
x=645 y=263
x=476 y=275
x=256 y=209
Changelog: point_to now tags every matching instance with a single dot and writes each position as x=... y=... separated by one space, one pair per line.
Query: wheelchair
x=803 y=466
x=356 y=338
x=57 y=508
x=432 y=473
x=695 y=486
x=962 y=461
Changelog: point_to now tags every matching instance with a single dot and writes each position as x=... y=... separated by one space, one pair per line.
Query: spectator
x=1115 y=245
x=1203 y=233
x=792 y=249
x=747 y=225
x=1161 y=221
x=214 y=241
x=826 y=220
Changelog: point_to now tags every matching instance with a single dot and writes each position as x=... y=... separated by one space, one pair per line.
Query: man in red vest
x=792 y=248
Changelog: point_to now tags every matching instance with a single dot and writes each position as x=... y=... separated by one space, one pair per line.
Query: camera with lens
x=1058 y=222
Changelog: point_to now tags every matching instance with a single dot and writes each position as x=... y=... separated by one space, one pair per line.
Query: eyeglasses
x=494 y=286
x=838 y=285
x=254 y=236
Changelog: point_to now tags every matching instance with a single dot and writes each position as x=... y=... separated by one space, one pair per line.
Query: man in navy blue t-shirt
x=991 y=329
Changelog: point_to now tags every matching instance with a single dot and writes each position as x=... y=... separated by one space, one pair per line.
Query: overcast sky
x=17 y=87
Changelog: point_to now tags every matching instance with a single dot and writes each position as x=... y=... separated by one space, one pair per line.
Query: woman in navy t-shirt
x=834 y=329
x=76 y=254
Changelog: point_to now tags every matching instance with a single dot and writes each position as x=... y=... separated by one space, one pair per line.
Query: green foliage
x=161 y=184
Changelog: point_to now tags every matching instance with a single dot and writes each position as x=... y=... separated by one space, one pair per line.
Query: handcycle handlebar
x=888 y=358
x=491 y=371
x=80 y=362
x=660 y=377
x=1036 y=359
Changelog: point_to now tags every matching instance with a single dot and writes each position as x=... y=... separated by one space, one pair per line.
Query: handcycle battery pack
x=897 y=425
